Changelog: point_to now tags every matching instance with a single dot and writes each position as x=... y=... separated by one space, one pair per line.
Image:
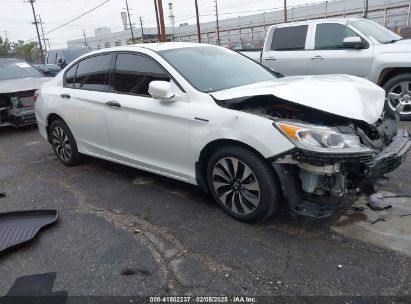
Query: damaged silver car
x=18 y=84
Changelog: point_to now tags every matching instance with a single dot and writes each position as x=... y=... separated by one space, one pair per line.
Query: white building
x=252 y=28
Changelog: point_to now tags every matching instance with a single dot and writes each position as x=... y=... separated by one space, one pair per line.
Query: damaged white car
x=211 y=117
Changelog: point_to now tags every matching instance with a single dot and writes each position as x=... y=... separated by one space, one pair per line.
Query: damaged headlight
x=322 y=139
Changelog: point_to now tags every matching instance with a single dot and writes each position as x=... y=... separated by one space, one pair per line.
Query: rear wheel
x=64 y=144
x=398 y=91
x=242 y=183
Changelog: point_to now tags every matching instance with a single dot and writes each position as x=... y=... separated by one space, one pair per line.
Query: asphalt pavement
x=122 y=231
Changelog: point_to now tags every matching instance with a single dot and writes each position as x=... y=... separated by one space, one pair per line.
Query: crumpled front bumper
x=391 y=157
x=22 y=116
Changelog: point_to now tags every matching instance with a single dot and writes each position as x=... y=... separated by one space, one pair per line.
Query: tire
x=398 y=90
x=255 y=184
x=64 y=144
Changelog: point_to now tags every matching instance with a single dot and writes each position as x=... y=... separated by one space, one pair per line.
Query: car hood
x=22 y=84
x=402 y=46
x=342 y=95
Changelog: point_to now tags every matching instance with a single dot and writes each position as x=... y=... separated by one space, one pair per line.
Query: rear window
x=289 y=38
x=92 y=73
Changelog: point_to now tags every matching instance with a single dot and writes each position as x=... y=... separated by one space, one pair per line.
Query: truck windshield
x=11 y=69
x=375 y=31
x=211 y=69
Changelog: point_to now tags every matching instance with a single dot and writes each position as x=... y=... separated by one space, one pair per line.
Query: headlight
x=321 y=139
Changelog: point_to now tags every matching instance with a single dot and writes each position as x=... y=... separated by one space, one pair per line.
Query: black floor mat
x=17 y=228
x=35 y=289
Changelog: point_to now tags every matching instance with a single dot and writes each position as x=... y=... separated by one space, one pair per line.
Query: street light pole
x=42 y=34
x=366 y=9
x=218 y=27
x=158 y=22
x=285 y=11
x=162 y=26
x=85 y=39
x=198 y=23
x=142 y=30
x=129 y=21
x=37 y=28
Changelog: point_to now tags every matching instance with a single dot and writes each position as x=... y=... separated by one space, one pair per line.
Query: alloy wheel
x=236 y=185
x=400 y=95
x=61 y=144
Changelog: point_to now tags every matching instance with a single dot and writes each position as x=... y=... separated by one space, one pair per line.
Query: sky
x=17 y=16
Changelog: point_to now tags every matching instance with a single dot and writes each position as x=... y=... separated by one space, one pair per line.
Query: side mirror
x=160 y=90
x=353 y=42
x=60 y=62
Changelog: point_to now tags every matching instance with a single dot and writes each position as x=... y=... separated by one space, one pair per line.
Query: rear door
x=329 y=55
x=143 y=131
x=286 y=52
x=83 y=102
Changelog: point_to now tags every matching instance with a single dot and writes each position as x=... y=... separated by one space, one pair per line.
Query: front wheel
x=398 y=90
x=242 y=183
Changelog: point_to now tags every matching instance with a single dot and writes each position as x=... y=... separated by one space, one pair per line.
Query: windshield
x=375 y=31
x=11 y=69
x=211 y=69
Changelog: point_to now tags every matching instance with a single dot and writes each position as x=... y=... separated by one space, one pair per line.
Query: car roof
x=155 y=47
x=322 y=20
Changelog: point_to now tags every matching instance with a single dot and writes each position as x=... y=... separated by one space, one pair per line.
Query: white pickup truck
x=354 y=46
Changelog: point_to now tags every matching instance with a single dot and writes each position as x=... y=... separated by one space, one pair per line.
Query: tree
x=4 y=47
x=27 y=51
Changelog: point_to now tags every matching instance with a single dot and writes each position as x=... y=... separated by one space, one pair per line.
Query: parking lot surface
x=122 y=231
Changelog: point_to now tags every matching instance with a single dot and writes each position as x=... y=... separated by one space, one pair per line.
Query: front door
x=147 y=132
x=330 y=57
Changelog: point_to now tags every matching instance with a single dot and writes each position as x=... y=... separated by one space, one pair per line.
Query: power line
x=74 y=19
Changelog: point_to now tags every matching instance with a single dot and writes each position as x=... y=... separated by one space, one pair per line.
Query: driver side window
x=330 y=36
x=133 y=73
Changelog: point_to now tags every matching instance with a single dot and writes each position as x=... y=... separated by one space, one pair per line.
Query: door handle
x=270 y=58
x=317 y=58
x=114 y=104
x=65 y=96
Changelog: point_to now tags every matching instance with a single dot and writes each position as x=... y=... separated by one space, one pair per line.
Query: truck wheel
x=243 y=184
x=64 y=144
x=398 y=90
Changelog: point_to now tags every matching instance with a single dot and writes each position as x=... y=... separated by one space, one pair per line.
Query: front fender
x=388 y=60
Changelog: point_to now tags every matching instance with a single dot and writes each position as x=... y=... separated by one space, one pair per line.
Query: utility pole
x=162 y=26
x=285 y=11
x=129 y=21
x=37 y=28
x=218 y=27
x=366 y=9
x=7 y=38
x=157 y=20
x=198 y=23
x=42 y=34
x=142 y=30
x=85 y=38
x=171 y=16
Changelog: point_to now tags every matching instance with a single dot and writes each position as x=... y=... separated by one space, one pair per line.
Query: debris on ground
x=36 y=288
x=20 y=227
x=380 y=219
x=376 y=202
x=339 y=266
x=2 y=194
x=358 y=209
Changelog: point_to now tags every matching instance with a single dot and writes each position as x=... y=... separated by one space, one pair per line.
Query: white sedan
x=211 y=117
